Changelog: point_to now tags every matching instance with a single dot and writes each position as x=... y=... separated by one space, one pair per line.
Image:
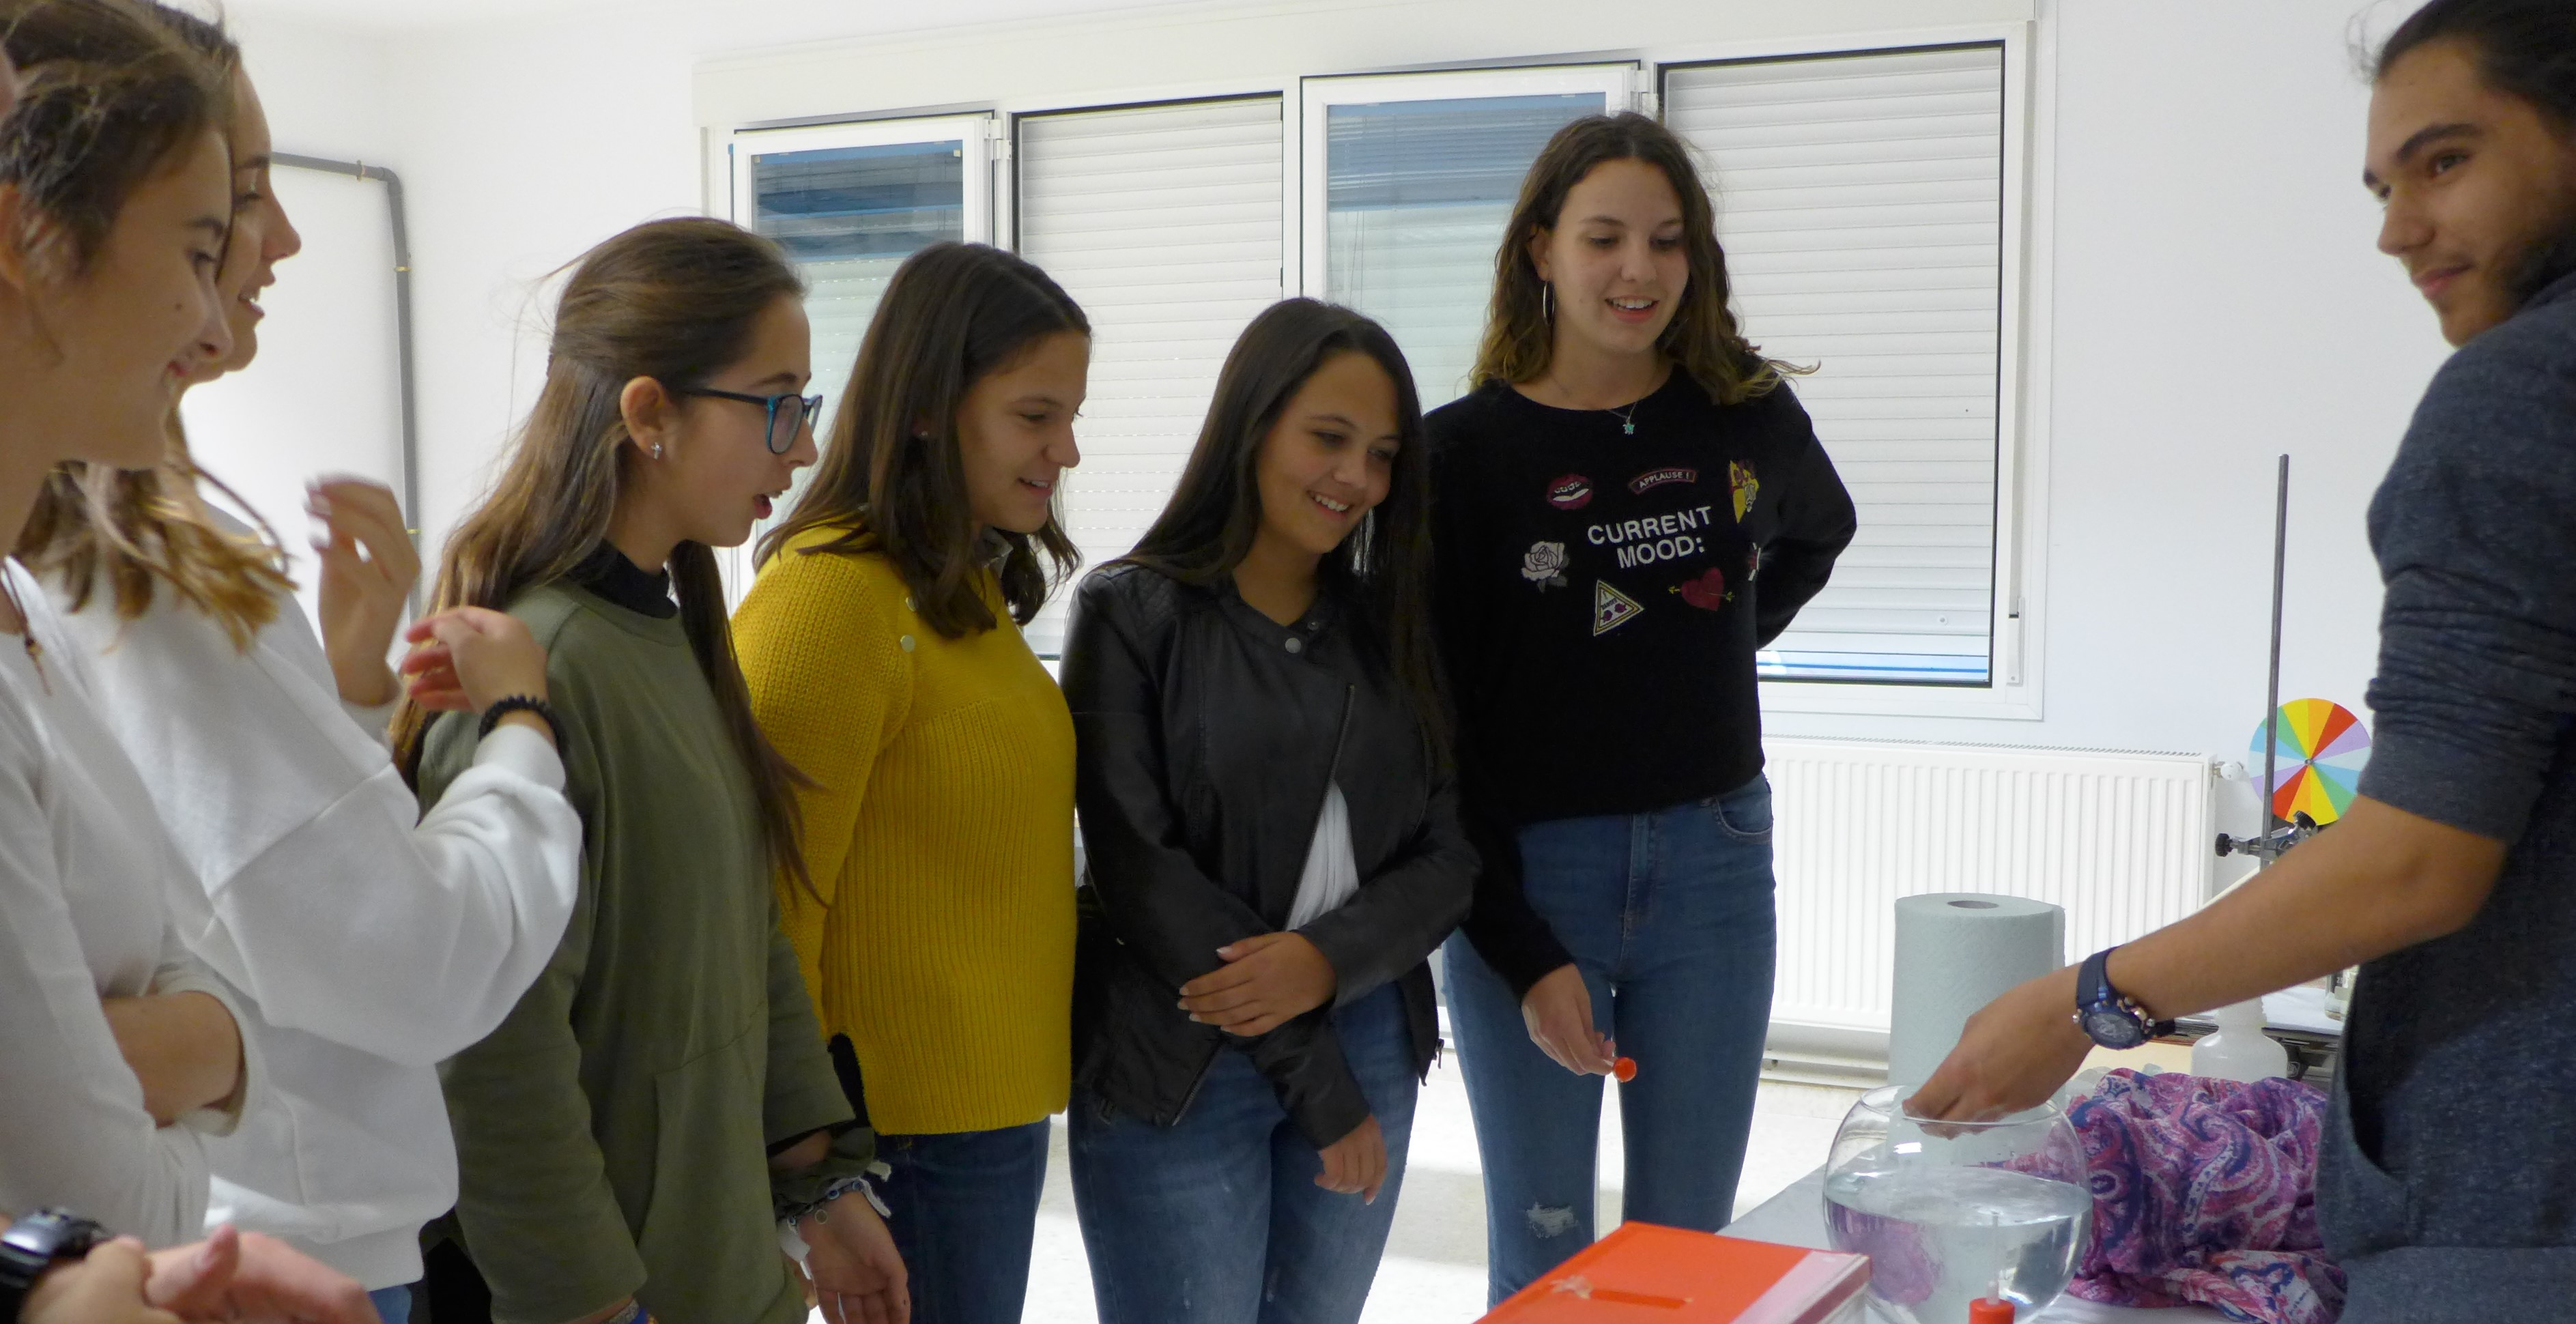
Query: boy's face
x=2479 y=187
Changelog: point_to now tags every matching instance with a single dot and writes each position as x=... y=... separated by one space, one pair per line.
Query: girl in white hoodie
x=366 y=949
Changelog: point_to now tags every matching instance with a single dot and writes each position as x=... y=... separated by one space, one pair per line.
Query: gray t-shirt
x=2448 y=1181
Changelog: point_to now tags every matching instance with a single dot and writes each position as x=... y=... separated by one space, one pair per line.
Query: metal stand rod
x=2272 y=693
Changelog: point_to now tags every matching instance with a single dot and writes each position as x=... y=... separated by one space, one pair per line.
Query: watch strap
x=36 y=1243
x=2094 y=991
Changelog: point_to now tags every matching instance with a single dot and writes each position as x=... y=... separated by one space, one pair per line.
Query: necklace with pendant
x=1627 y=418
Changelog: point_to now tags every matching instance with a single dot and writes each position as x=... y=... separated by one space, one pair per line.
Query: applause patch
x=1658 y=477
x=1611 y=608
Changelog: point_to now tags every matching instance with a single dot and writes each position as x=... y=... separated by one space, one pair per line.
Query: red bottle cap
x=1625 y=1069
x=1990 y=1310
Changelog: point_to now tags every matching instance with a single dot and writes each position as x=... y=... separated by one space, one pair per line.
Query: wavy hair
x=1520 y=336
x=127 y=531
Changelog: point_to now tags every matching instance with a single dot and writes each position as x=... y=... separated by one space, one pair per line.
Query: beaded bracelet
x=522 y=703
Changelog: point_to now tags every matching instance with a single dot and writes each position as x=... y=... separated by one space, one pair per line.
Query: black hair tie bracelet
x=520 y=703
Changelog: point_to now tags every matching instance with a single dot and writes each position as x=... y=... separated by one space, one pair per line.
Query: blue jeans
x=1669 y=917
x=965 y=1215
x=393 y=1304
x=1217 y=1219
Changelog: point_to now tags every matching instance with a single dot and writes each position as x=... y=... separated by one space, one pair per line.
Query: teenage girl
x=628 y=1132
x=1274 y=845
x=1628 y=505
x=882 y=644
x=364 y=951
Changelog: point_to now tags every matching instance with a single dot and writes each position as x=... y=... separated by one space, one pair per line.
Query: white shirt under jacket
x=369 y=948
x=86 y=877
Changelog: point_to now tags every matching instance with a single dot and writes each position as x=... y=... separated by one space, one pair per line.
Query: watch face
x=2113 y=1029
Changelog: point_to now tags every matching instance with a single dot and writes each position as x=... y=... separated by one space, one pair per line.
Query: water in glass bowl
x=1941 y=1237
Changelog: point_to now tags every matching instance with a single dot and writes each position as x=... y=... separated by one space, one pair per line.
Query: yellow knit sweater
x=939 y=934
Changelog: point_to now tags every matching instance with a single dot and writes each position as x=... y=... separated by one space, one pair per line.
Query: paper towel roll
x=1956 y=952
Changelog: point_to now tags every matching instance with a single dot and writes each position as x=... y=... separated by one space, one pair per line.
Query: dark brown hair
x=135 y=528
x=1702 y=337
x=1207 y=528
x=891 y=477
x=674 y=301
x=2524 y=48
x=107 y=99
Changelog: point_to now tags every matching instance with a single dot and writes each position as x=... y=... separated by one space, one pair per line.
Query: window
x=1165 y=223
x=849 y=202
x=1861 y=202
x=1409 y=182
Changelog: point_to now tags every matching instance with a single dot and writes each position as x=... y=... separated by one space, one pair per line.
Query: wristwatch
x=2110 y=1017
x=36 y=1243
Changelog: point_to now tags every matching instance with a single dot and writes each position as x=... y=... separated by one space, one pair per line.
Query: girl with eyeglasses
x=934 y=918
x=629 y=1132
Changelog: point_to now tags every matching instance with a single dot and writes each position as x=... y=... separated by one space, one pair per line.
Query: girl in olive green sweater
x=627 y=1136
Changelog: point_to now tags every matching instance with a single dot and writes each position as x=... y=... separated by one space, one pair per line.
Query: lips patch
x=1572 y=492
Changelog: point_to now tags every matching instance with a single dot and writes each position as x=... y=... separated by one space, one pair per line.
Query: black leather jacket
x=1205 y=737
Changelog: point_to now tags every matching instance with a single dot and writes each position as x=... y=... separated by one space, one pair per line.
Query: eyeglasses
x=784 y=422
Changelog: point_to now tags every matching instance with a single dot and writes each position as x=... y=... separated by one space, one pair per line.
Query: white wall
x=2212 y=292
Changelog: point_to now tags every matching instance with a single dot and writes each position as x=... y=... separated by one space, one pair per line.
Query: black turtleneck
x=608 y=573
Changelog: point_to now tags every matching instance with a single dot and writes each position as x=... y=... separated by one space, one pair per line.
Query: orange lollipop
x=1625 y=1069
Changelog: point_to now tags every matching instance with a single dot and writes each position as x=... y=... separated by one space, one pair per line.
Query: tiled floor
x=1434 y=1271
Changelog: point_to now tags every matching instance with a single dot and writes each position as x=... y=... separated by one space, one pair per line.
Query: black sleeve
x=1403 y=912
x=1160 y=906
x=2475 y=531
x=1507 y=933
x=1816 y=523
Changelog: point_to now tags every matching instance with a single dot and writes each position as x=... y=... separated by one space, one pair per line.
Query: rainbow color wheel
x=2321 y=752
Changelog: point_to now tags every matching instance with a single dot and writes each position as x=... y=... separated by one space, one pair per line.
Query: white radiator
x=2121 y=840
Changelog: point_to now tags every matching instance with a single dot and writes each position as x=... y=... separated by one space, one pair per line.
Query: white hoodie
x=370 y=949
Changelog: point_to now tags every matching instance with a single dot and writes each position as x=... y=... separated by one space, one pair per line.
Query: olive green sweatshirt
x=612 y=1136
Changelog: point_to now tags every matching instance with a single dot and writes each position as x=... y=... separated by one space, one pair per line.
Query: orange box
x=1645 y=1274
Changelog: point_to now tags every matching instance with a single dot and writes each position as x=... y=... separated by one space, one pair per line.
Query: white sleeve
x=332 y=903
x=181 y=973
x=410 y=943
x=73 y=1130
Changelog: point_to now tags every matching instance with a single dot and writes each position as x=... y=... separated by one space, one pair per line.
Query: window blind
x=1860 y=200
x=1166 y=224
x=1416 y=197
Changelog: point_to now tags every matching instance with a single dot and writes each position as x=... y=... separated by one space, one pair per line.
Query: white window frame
x=1618 y=82
x=2014 y=690
x=2022 y=479
x=980 y=132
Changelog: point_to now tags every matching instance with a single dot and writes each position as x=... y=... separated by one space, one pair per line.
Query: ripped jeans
x=1669 y=917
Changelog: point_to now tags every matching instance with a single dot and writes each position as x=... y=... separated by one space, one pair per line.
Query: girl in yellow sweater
x=883 y=651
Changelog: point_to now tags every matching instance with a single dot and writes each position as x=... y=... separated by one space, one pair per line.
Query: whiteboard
x=324 y=396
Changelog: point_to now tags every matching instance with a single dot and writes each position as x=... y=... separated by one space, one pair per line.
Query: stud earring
x=657 y=450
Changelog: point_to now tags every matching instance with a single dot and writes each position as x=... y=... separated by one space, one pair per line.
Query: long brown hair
x=136 y=528
x=1520 y=335
x=891 y=477
x=675 y=301
x=1207 y=528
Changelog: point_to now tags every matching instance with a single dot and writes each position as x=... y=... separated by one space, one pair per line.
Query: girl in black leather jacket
x=1274 y=845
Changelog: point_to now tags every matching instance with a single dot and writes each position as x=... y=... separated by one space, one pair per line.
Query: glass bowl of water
x=1949 y=1212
